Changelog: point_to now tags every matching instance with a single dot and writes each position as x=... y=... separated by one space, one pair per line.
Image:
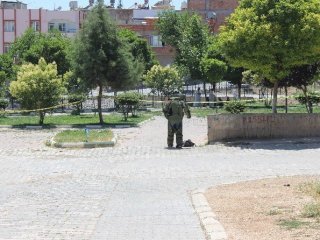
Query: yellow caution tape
x=112 y=97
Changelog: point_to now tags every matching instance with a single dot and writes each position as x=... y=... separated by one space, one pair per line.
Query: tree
x=100 y=58
x=213 y=65
x=301 y=77
x=213 y=70
x=38 y=87
x=164 y=80
x=7 y=67
x=194 y=45
x=272 y=36
x=171 y=25
x=234 y=75
x=52 y=46
x=139 y=48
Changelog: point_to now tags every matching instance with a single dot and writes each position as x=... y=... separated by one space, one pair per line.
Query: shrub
x=313 y=97
x=4 y=103
x=234 y=107
x=38 y=86
x=128 y=102
x=311 y=210
x=310 y=99
x=79 y=98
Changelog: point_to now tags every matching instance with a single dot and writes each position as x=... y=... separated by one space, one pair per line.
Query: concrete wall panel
x=249 y=126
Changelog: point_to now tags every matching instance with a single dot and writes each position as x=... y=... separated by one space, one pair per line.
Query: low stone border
x=211 y=226
x=111 y=143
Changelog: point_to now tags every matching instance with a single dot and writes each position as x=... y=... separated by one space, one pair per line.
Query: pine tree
x=99 y=56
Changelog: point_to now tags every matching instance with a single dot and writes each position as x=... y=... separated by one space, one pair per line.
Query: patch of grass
x=80 y=136
x=311 y=210
x=87 y=119
x=291 y=223
x=274 y=212
x=311 y=188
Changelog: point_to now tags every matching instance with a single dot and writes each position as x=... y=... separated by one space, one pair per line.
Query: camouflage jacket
x=175 y=109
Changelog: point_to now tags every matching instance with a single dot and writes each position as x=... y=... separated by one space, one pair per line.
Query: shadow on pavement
x=276 y=144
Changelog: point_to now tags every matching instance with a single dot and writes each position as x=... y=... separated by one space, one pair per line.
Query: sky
x=35 y=4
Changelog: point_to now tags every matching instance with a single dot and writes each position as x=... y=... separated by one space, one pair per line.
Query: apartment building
x=213 y=11
x=15 y=19
x=143 y=21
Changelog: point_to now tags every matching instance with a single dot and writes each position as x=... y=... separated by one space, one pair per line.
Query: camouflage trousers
x=175 y=128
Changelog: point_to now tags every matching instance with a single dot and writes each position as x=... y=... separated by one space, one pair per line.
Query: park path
x=136 y=190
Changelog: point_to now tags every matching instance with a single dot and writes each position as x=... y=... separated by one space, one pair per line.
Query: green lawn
x=81 y=136
x=87 y=119
x=257 y=107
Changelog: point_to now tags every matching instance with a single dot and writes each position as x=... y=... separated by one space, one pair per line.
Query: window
x=156 y=41
x=6 y=47
x=9 y=26
x=51 y=26
x=35 y=25
x=62 y=27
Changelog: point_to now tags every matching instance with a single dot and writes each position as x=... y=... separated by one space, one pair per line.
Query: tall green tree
x=213 y=66
x=272 y=36
x=100 y=58
x=52 y=46
x=38 y=86
x=191 y=38
x=7 y=72
x=139 y=48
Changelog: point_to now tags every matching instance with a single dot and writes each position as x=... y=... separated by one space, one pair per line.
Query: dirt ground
x=268 y=209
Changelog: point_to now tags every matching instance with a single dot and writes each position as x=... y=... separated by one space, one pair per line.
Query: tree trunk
x=93 y=102
x=275 y=97
x=205 y=91
x=100 y=105
x=41 y=115
x=214 y=86
x=239 y=90
x=310 y=106
x=286 y=92
x=308 y=102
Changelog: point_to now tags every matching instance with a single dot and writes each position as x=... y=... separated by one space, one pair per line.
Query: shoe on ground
x=179 y=146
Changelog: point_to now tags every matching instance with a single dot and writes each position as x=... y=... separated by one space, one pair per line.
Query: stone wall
x=250 y=126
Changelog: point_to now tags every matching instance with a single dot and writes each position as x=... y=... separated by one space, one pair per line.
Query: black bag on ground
x=188 y=143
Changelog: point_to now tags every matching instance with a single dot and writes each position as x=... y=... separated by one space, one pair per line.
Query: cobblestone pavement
x=136 y=190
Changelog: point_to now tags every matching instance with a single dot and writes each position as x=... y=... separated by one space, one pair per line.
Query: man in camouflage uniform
x=174 y=111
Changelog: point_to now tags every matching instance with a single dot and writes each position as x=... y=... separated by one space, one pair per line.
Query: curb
x=212 y=227
x=52 y=143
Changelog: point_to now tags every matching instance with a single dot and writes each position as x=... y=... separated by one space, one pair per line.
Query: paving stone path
x=137 y=190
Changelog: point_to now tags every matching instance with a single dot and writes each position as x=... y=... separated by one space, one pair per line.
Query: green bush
x=313 y=97
x=128 y=102
x=79 y=98
x=235 y=107
x=4 y=103
x=309 y=100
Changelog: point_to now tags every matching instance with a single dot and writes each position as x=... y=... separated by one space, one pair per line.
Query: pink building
x=16 y=19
